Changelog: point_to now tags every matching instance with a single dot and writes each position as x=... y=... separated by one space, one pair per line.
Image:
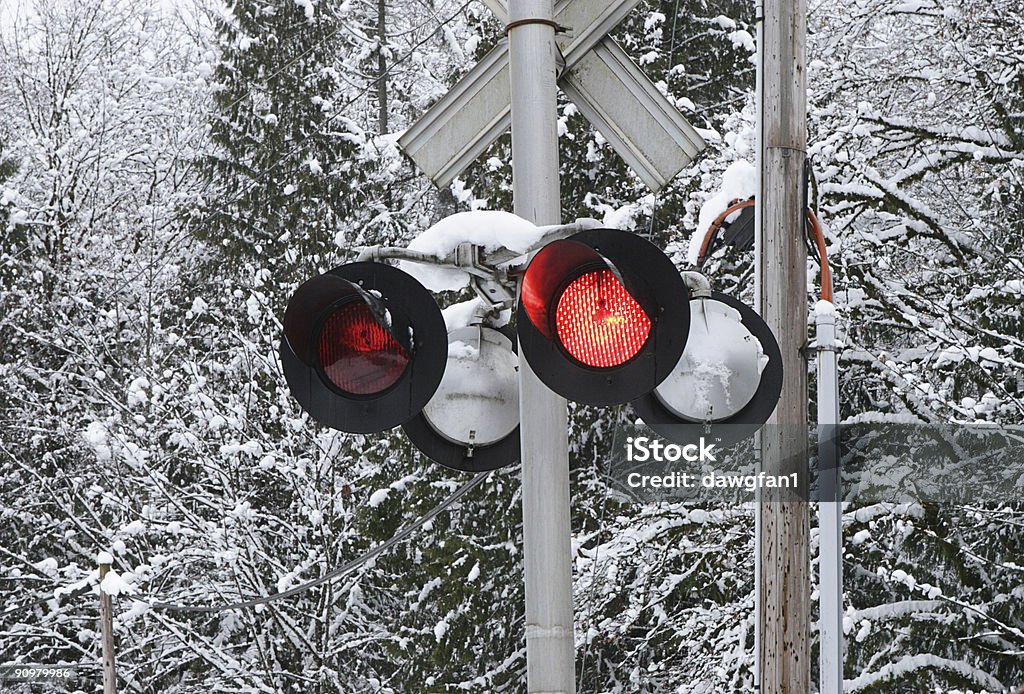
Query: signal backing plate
x=425 y=429
x=742 y=424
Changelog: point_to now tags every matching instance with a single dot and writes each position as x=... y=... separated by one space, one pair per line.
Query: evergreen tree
x=283 y=172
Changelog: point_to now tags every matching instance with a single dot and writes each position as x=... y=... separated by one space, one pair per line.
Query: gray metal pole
x=783 y=643
x=830 y=512
x=550 y=655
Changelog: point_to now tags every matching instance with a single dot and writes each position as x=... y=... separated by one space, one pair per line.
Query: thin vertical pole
x=550 y=655
x=107 y=628
x=759 y=42
x=382 y=69
x=784 y=586
x=830 y=513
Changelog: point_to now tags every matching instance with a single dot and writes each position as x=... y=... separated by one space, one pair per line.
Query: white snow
x=378 y=497
x=738 y=181
x=440 y=629
x=824 y=308
x=307 y=7
x=490 y=229
x=461 y=350
x=104 y=558
x=48 y=566
x=742 y=39
x=137 y=391
x=114 y=584
x=861 y=537
x=459 y=315
x=253 y=448
x=653 y=20
x=96 y=435
x=895 y=609
x=950 y=355
x=911 y=663
x=136 y=527
x=724 y=22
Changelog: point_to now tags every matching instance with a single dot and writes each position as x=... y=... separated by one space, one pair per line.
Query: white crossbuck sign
x=643 y=126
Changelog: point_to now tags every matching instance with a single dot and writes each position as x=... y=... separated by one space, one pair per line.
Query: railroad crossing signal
x=472 y=421
x=603 y=316
x=643 y=126
x=364 y=347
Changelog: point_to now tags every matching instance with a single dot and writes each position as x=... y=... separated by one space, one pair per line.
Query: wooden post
x=784 y=652
x=107 y=628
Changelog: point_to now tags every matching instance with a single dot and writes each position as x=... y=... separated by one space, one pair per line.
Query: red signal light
x=357 y=353
x=603 y=316
x=598 y=321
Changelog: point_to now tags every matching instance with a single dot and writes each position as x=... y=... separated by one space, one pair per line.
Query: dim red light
x=598 y=322
x=358 y=354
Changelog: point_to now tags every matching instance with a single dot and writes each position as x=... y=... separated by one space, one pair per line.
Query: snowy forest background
x=169 y=172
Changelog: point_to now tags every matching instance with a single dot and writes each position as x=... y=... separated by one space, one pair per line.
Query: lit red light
x=598 y=322
x=357 y=353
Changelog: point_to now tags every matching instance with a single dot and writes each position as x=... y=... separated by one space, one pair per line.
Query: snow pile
x=738 y=181
x=742 y=39
x=490 y=229
x=913 y=663
x=462 y=314
x=47 y=566
x=461 y=350
x=378 y=497
x=307 y=8
x=114 y=584
x=96 y=435
x=440 y=629
x=824 y=308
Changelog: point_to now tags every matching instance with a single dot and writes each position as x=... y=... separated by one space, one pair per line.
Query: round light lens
x=357 y=353
x=598 y=322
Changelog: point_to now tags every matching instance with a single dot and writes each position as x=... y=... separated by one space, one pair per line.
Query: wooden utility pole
x=107 y=628
x=783 y=644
